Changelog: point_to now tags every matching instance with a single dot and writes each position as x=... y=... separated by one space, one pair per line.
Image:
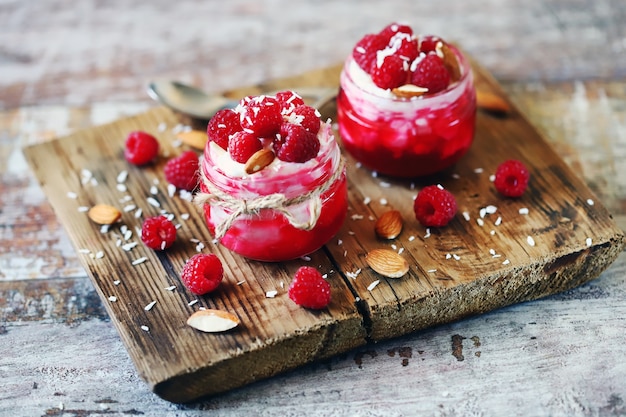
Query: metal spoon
x=200 y=105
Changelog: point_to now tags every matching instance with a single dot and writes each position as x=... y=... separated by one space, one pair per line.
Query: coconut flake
x=139 y=260
x=271 y=294
x=530 y=240
x=149 y=306
x=373 y=285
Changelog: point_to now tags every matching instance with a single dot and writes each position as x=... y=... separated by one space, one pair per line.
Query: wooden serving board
x=467 y=268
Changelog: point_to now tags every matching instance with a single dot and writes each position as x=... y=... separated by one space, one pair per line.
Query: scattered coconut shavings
x=192 y=302
x=498 y=221
x=162 y=127
x=306 y=258
x=138 y=213
x=112 y=298
x=121 y=188
x=339 y=242
x=400 y=251
x=149 y=306
x=523 y=211
x=105 y=228
x=480 y=222
x=384 y=184
x=478 y=170
x=373 y=285
x=394 y=247
x=456 y=257
x=440 y=186
x=431 y=271
x=145 y=328
x=367 y=200
x=411 y=238
x=128 y=246
x=456 y=176
x=589 y=242
x=139 y=260
x=125 y=199
x=354 y=274
x=186 y=195
x=448 y=256
x=383 y=201
x=153 y=202
x=83 y=209
x=117 y=282
x=427 y=235
x=72 y=195
x=466 y=216
x=170 y=288
x=84 y=251
x=590 y=202
x=122 y=176
x=374 y=174
x=199 y=247
x=241 y=282
x=98 y=255
x=129 y=207
x=171 y=190
x=154 y=190
x=271 y=294
x=357 y=217
x=530 y=240
x=492 y=177
x=506 y=262
x=185 y=216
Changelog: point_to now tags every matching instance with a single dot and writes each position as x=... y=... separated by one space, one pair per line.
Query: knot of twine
x=277 y=201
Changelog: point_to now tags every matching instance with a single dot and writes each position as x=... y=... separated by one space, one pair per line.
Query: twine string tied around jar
x=238 y=207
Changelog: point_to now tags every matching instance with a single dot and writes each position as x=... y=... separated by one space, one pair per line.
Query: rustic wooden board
x=455 y=272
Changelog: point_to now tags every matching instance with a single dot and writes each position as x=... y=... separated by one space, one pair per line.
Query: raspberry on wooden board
x=309 y=289
x=182 y=171
x=140 y=148
x=511 y=178
x=434 y=206
x=202 y=273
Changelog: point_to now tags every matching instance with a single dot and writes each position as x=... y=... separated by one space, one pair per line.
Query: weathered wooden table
x=67 y=66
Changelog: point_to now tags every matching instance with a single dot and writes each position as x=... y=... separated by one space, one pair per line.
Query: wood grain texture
x=277 y=335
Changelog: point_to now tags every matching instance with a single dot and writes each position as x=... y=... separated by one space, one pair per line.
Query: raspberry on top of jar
x=396 y=62
x=263 y=133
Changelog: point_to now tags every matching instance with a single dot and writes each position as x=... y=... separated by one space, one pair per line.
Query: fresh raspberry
x=511 y=178
x=243 y=145
x=158 y=233
x=202 y=273
x=434 y=206
x=364 y=52
x=309 y=289
x=296 y=144
x=308 y=117
x=406 y=48
x=288 y=100
x=428 y=43
x=140 y=148
x=261 y=116
x=392 y=29
x=182 y=171
x=222 y=125
x=392 y=72
x=430 y=72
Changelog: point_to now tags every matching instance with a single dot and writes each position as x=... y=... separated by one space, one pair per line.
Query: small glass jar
x=283 y=212
x=406 y=137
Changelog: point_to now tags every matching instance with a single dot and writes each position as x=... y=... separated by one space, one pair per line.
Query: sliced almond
x=104 y=214
x=213 y=321
x=259 y=160
x=195 y=138
x=389 y=225
x=449 y=61
x=491 y=102
x=409 y=90
x=387 y=263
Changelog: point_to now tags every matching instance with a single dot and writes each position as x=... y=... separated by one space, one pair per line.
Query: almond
x=491 y=102
x=195 y=138
x=387 y=263
x=449 y=61
x=409 y=90
x=213 y=321
x=389 y=225
x=259 y=160
x=104 y=214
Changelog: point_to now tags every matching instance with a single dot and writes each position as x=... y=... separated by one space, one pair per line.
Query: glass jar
x=406 y=137
x=285 y=211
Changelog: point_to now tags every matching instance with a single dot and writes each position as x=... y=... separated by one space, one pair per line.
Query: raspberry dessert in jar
x=407 y=103
x=273 y=184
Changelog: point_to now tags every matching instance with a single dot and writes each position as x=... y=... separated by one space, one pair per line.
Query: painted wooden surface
x=561 y=62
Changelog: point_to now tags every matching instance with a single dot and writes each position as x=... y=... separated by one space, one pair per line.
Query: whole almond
x=387 y=263
x=104 y=214
x=389 y=225
x=259 y=160
x=449 y=61
x=213 y=321
x=409 y=90
x=491 y=102
x=195 y=138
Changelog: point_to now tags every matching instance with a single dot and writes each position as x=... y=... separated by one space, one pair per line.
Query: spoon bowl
x=198 y=104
